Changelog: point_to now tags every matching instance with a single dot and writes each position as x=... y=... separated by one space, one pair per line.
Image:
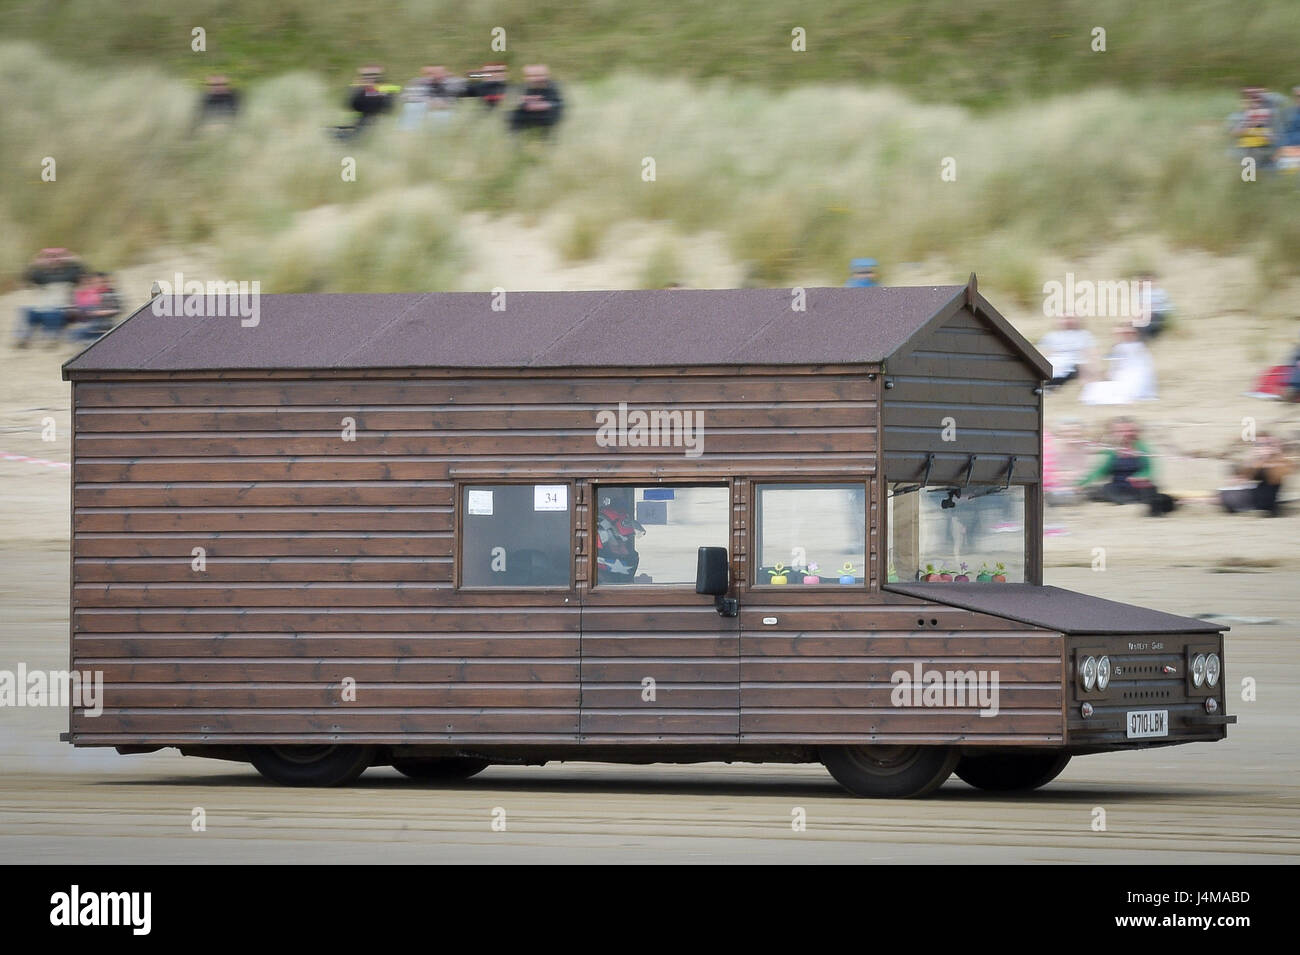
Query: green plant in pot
x=778 y=573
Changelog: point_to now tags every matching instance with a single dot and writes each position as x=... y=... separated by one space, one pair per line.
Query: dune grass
x=796 y=181
x=975 y=52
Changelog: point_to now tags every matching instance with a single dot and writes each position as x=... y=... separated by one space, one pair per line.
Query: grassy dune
x=975 y=52
x=797 y=181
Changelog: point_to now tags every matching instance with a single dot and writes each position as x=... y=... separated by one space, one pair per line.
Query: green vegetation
x=973 y=52
x=795 y=181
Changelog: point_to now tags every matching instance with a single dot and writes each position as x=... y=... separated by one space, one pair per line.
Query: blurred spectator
x=1287 y=157
x=1125 y=467
x=370 y=97
x=430 y=97
x=1065 y=458
x=1156 y=308
x=1253 y=126
x=1261 y=475
x=1131 y=373
x=219 y=103
x=1290 y=134
x=96 y=305
x=1070 y=348
x=54 y=273
x=540 y=106
x=488 y=85
x=862 y=273
x=1280 y=381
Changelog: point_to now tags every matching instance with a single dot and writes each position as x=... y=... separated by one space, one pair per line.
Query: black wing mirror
x=712 y=577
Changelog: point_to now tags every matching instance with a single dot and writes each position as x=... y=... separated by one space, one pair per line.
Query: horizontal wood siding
x=820 y=675
x=330 y=560
x=964 y=371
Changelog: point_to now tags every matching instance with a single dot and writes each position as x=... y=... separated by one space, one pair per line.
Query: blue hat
x=857 y=265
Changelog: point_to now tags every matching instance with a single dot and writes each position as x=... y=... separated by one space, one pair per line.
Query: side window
x=515 y=535
x=810 y=534
x=939 y=534
x=651 y=535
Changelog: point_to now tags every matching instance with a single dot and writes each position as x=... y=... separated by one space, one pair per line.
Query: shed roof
x=670 y=327
x=1055 y=609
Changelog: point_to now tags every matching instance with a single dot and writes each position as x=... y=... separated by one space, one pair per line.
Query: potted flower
x=848 y=576
x=963 y=577
x=985 y=576
x=778 y=573
x=810 y=577
x=932 y=574
x=999 y=573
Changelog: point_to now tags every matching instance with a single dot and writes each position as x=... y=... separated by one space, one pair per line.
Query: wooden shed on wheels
x=448 y=530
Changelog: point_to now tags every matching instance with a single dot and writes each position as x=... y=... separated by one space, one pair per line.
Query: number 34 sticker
x=550 y=497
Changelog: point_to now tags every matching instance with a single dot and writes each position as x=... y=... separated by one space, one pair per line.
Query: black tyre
x=311 y=765
x=890 y=772
x=448 y=769
x=1007 y=772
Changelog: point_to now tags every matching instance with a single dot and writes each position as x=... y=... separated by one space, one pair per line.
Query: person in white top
x=1131 y=375
x=1069 y=348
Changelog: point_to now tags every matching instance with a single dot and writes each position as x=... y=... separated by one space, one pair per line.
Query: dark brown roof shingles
x=659 y=328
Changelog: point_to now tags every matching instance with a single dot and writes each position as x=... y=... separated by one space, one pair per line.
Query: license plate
x=1143 y=724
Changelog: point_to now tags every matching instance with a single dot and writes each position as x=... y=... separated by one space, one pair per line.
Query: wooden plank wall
x=329 y=559
x=962 y=370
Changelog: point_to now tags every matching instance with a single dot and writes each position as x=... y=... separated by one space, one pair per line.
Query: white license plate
x=1146 y=723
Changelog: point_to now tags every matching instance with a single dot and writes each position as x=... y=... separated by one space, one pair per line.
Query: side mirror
x=712 y=577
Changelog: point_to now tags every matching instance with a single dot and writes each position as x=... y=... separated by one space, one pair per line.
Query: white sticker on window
x=550 y=497
x=478 y=502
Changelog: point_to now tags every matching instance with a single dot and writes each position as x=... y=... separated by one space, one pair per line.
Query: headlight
x=1103 y=673
x=1213 y=669
x=1198 y=669
x=1089 y=673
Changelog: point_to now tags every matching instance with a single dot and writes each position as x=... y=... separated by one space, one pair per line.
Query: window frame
x=593 y=510
x=754 y=516
x=458 y=538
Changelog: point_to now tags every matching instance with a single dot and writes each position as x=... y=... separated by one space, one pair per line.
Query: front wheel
x=1006 y=772
x=890 y=772
x=312 y=765
x=449 y=769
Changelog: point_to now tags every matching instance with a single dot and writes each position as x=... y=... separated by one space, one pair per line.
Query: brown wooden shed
x=393 y=523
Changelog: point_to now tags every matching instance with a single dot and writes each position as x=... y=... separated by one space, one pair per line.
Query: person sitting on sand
x=1125 y=466
x=1132 y=374
x=1261 y=476
x=1069 y=348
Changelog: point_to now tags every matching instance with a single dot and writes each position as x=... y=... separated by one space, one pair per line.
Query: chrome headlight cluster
x=1206 y=669
x=1094 y=673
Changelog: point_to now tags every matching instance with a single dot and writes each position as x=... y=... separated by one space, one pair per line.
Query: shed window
x=976 y=531
x=515 y=535
x=652 y=535
x=810 y=533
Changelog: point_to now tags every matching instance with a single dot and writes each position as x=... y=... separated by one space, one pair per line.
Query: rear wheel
x=1006 y=772
x=312 y=765
x=448 y=769
x=890 y=772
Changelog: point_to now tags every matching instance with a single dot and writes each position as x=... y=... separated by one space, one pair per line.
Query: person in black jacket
x=369 y=97
x=541 y=105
